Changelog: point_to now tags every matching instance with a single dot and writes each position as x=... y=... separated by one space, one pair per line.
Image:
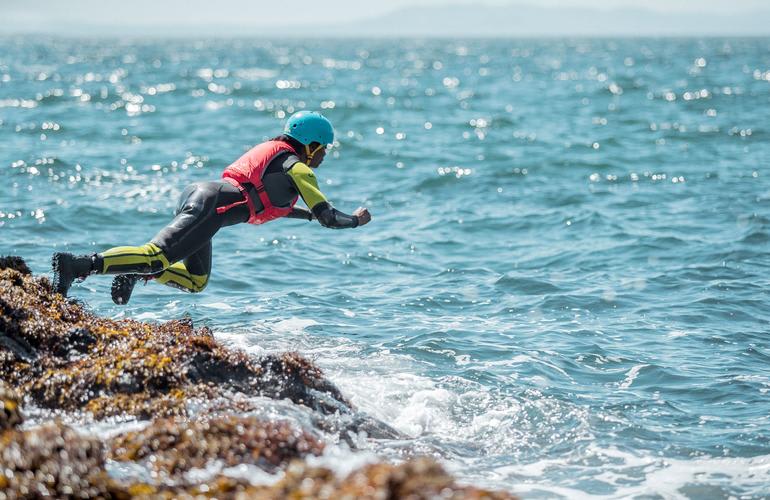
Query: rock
x=421 y=478
x=15 y=263
x=78 y=339
x=290 y=376
x=174 y=446
x=53 y=461
x=132 y=367
x=17 y=349
x=10 y=409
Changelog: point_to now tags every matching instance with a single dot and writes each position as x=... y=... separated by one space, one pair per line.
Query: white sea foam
x=631 y=376
x=630 y=475
x=447 y=414
x=221 y=306
x=474 y=428
x=342 y=460
x=253 y=474
x=265 y=336
x=667 y=477
x=293 y=325
x=203 y=474
x=108 y=429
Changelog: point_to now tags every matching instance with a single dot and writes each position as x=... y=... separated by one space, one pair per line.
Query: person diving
x=262 y=185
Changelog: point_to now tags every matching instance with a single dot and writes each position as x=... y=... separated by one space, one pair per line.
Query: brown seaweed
x=172 y=446
x=64 y=357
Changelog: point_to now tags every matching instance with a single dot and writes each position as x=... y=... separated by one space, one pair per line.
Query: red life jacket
x=250 y=168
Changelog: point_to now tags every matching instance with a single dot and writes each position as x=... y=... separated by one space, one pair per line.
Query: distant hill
x=528 y=21
x=463 y=20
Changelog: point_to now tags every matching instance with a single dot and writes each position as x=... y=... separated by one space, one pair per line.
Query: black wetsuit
x=180 y=254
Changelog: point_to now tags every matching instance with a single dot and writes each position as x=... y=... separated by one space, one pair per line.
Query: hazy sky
x=160 y=12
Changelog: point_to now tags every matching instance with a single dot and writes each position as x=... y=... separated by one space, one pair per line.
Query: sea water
x=564 y=287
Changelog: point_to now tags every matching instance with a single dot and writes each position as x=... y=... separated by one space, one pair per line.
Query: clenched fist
x=363 y=216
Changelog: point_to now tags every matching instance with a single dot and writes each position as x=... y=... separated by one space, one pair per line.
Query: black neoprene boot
x=122 y=286
x=67 y=268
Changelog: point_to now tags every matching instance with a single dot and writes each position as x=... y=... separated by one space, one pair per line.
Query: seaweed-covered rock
x=10 y=409
x=16 y=263
x=64 y=357
x=173 y=446
x=419 y=479
x=53 y=461
x=290 y=376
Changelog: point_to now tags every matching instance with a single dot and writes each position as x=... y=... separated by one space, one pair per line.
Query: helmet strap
x=310 y=154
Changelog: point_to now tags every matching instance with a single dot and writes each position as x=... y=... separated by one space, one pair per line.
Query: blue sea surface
x=564 y=288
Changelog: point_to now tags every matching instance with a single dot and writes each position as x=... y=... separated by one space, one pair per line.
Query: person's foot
x=67 y=268
x=122 y=286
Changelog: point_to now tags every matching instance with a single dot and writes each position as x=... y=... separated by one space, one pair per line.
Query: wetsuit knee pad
x=177 y=276
x=199 y=282
x=145 y=259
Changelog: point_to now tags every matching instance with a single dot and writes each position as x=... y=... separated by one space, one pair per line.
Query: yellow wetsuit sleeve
x=307 y=184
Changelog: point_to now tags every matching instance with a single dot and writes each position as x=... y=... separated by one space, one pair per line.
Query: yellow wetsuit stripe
x=150 y=256
x=307 y=184
x=178 y=276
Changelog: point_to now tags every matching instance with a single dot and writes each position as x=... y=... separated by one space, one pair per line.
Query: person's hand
x=363 y=216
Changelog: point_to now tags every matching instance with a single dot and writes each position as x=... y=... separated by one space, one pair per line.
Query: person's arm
x=305 y=181
x=300 y=213
x=332 y=218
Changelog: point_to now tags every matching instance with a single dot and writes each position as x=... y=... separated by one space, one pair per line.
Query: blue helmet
x=308 y=127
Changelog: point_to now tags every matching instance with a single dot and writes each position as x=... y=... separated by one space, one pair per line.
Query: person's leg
x=145 y=259
x=187 y=238
x=68 y=267
x=193 y=226
x=191 y=275
x=186 y=242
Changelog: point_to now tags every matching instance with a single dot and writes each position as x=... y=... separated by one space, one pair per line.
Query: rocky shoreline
x=56 y=355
